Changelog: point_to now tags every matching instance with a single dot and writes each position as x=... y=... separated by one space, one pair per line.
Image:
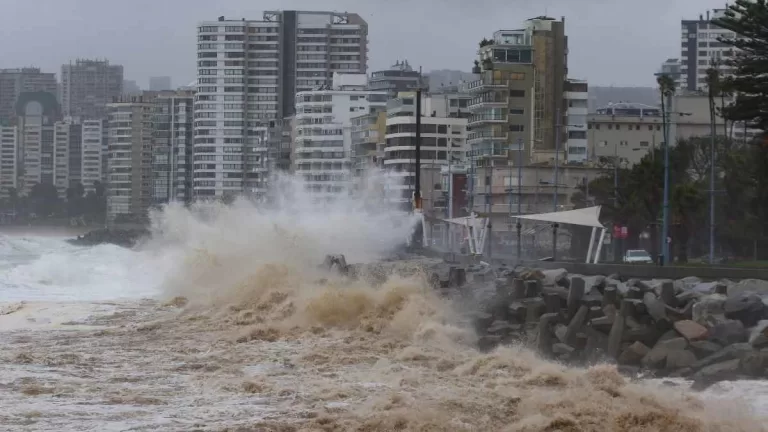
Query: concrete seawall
x=644 y=271
x=640 y=271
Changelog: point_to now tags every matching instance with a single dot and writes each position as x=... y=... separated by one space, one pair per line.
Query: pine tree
x=749 y=62
x=749 y=81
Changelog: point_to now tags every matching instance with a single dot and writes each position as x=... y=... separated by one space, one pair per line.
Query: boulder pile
x=704 y=331
x=120 y=237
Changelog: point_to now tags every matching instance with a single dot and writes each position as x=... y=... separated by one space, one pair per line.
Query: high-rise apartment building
x=43 y=141
x=401 y=77
x=443 y=143
x=519 y=111
x=368 y=142
x=87 y=86
x=13 y=82
x=280 y=138
x=249 y=72
x=92 y=142
x=702 y=50
x=172 y=150
x=323 y=123
x=8 y=159
x=129 y=163
x=159 y=83
x=550 y=59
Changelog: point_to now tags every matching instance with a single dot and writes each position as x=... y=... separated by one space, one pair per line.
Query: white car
x=634 y=256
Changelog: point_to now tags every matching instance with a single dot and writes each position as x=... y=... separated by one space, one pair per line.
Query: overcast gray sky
x=612 y=42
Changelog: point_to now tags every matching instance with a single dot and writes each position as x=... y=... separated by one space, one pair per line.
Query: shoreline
x=44 y=231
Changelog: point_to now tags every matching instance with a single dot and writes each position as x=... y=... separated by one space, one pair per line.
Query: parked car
x=634 y=256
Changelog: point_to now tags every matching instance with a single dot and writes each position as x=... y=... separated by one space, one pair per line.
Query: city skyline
x=158 y=46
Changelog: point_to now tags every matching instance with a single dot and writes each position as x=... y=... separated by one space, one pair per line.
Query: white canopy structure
x=589 y=216
x=475 y=231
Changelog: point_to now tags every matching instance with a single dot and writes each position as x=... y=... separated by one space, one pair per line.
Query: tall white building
x=702 y=50
x=443 y=143
x=59 y=169
x=8 y=159
x=323 y=137
x=577 y=106
x=129 y=163
x=249 y=72
x=172 y=147
x=92 y=145
x=43 y=142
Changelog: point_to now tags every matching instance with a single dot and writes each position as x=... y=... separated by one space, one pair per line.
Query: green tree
x=44 y=199
x=76 y=200
x=749 y=82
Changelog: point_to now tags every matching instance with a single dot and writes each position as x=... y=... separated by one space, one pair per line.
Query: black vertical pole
x=417 y=180
x=417 y=208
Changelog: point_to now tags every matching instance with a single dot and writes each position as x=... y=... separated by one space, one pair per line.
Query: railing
x=487 y=117
x=489 y=98
x=478 y=84
x=486 y=135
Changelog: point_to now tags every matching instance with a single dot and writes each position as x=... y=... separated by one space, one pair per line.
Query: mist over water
x=248 y=333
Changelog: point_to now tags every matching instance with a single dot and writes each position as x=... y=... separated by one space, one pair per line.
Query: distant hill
x=602 y=96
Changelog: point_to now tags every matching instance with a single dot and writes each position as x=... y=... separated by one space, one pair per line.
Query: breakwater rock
x=120 y=237
x=704 y=331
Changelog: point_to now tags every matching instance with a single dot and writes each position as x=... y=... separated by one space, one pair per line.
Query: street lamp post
x=518 y=225
x=557 y=178
x=667 y=88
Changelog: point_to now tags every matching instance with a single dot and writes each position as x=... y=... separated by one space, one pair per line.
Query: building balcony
x=478 y=137
x=578 y=111
x=477 y=120
x=485 y=149
x=485 y=84
x=498 y=101
x=577 y=95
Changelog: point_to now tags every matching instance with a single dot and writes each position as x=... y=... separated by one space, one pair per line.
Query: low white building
x=322 y=129
x=443 y=142
x=577 y=101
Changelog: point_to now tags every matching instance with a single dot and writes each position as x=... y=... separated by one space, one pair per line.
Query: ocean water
x=224 y=322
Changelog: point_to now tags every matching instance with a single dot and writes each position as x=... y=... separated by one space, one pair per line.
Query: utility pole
x=519 y=225
x=489 y=202
x=418 y=233
x=712 y=173
x=557 y=180
x=665 y=214
x=616 y=248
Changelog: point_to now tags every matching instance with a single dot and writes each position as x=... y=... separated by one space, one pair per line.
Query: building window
x=644 y=144
x=517 y=76
x=516 y=111
x=517 y=93
x=516 y=128
x=650 y=127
